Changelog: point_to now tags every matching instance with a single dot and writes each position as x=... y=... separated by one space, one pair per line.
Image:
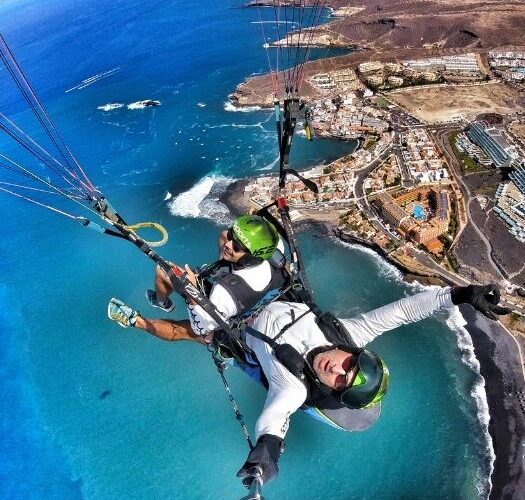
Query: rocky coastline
x=500 y=364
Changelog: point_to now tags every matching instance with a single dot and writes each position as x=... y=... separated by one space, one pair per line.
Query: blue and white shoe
x=153 y=301
x=124 y=315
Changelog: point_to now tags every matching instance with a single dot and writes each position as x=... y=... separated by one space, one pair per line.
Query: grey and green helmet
x=258 y=236
x=370 y=383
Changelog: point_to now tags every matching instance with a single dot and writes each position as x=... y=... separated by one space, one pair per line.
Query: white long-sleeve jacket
x=286 y=392
x=257 y=278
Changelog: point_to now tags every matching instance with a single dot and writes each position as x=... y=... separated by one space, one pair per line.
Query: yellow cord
x=151 y=225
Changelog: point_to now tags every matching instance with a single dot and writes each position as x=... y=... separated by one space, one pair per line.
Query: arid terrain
x=393 y=30
x=434 y=104
x=431 y=24
x=519 y=130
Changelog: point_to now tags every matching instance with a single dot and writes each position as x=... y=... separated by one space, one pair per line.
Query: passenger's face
x=227 y=250
x=335 y=368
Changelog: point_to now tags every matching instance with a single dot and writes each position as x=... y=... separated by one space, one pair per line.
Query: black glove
x=264 y=456
x=483 y=298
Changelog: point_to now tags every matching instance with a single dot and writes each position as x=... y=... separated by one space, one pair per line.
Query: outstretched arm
x=366 y=327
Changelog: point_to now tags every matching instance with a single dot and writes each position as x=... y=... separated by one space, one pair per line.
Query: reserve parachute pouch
x=333 y=330
x=290 y=359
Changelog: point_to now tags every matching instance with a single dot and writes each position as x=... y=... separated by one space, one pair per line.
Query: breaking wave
x=110 y=106
x=456 y=322
x=385 y=268
x=93 y=79
x=228 y=106
x=148 y=103
x=237 y=125
x=269 y=166
x=202 y=200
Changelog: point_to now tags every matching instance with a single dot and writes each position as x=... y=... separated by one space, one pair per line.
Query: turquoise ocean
x=89 y=410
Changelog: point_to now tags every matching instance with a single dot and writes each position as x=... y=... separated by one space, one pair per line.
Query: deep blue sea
x=93 y=411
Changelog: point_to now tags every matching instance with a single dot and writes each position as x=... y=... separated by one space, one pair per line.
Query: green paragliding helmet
x=258 y=236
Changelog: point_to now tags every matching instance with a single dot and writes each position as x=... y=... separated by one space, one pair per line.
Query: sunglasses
x=369 y=385
x=343 y=381
x=236 y=244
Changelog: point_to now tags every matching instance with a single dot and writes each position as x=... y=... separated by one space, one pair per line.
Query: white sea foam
x=148 y=103
x=201 y=104
x=202 y=200
x=237 y=125
x=228 y=106
x=456 y=322
x=385 y=268
x=300 y=131
x=275 y=22
x=93 y=79
x=265 y=168
x=115 y=124
x=110 y=106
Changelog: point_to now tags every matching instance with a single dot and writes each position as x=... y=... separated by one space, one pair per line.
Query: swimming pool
x=418 y=212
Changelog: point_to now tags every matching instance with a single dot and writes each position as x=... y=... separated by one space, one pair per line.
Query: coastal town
x=415 y=190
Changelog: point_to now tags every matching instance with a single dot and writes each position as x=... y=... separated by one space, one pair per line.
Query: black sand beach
x=501 y=367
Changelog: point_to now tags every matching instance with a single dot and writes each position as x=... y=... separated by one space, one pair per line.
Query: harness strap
x=261 y=336
x=294 y=320
x=285 y=230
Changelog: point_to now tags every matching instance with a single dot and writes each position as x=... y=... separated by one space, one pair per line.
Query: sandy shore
x=495 y=348
x=501 y=367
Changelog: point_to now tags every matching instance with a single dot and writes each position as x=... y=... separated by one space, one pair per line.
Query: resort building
x=344 y=77
x=507 y=59
x=323 y=81
x=393 y=67
x=510 y=205
x=466 y=63
x=421 y=215
x=370 y=67
x=442 y=205
x=395 y=81
x=375 y=80
x=465 y=145
x=510 y=208
x=518 y=177
x=493 y=144
x=429 y=76
x=515 y=74
x=391 y=212
x=461 y=63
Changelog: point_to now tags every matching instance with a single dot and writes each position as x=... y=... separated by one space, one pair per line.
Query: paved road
x=442 y=140
x=422 y=257
x=362 y=199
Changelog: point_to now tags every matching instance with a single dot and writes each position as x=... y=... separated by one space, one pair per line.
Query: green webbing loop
x=151 y=225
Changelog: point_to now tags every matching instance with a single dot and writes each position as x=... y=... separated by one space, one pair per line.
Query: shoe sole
x=116 y=302
x=158 y=306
